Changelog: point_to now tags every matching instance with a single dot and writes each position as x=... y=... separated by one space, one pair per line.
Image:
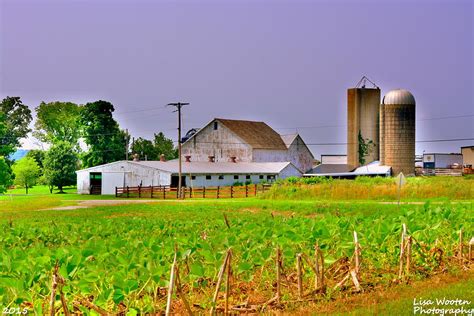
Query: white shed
x=104 y=179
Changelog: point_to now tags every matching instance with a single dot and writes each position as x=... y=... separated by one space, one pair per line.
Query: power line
x=344 y=125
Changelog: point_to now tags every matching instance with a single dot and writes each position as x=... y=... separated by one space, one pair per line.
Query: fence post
x=255 y=190
x=217 y=191
x=128 y=192
x=151 y=191
x=116 y=193
x=203 y=192
x=139 y=191
x=164 y=193
x=190 y=192
x=246 y=190
x=177 y=193
x=231 y=191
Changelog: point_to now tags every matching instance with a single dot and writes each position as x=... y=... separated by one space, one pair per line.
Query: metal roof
x=372 y=169
x=331 y=168
x=257 y=134
x=201 y=167
x=399 y=96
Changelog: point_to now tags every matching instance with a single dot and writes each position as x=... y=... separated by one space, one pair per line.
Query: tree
x=15 y=118
x=165 y=146
x=38 y=155
x=365 y=148
x=26 y=172
x=144 y=148
x=152 y=150
x=5 y=176
x=58 y=121
x=60 y=165
x=107 y=143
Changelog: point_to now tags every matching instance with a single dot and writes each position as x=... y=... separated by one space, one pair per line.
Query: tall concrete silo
x=397 y=131
x=363 y=106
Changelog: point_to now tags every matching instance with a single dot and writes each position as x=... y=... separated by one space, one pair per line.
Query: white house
x=104 y=178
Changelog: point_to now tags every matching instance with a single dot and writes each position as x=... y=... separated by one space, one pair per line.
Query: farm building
x=224 y=140
x=467 y=153
x=345 y=171
x=104 y=178
x=442 y=164
x=442 y=160
x=331 y=164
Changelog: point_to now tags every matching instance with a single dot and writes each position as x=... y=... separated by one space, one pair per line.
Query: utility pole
x=178 y=106
x=127 y=140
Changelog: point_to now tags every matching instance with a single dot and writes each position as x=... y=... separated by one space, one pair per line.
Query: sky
x=287 y=63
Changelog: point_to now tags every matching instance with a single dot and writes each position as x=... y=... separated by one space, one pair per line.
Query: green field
x=119 y=257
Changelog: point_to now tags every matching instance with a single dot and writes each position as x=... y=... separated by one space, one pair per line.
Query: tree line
x=67 y=128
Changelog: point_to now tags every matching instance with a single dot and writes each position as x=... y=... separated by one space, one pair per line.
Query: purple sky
x=287 y=63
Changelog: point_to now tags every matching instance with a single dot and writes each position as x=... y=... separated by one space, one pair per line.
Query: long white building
x=104 y=178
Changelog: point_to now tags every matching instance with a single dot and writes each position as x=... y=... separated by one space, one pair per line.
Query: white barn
x=104 y=179
x=224 y=140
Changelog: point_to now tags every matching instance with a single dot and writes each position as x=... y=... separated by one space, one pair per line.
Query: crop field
x=118 y=259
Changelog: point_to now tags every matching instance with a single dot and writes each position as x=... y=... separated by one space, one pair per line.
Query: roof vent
x=188 y=158
x=233 y=159
x=162 y=158
x=212 y=158
x=136 y=157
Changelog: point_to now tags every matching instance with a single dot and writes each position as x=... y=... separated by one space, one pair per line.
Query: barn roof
x=257 y=134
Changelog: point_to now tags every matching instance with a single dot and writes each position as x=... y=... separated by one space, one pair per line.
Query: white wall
x=300 y=156
x=446 y=160
x=289 y=171
x=82 y=182
x=110 y=180
x=221 y=143
x=201 y=180
x=334 y=160
x=113 y=176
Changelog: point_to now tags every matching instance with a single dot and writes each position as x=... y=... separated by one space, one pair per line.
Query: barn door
x=174 y=181
x=95 y=179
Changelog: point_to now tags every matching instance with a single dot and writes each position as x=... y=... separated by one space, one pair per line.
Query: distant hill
x=20 y=153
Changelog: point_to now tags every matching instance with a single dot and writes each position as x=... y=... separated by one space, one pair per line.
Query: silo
x=397 y=131
x=362 y=117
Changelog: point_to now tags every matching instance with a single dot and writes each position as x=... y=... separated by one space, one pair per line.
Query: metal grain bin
x=397 y=131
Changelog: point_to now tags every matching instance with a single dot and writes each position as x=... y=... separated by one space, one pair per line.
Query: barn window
x=247 y=177
x=221 y=177
x=208 y=177
x=236 y=177
x=260 y=176
x=215 y=125
x=269 y=177
x=193 y=177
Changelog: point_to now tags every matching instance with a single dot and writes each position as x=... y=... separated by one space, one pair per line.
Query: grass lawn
x=40 y=190
x=121 y=254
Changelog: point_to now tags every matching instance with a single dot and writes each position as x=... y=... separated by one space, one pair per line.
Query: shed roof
x=202 y=167
x=257 y=134
x=371 y=169
x=330 y=168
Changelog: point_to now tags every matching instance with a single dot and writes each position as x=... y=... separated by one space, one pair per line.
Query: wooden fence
x=167 y=192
